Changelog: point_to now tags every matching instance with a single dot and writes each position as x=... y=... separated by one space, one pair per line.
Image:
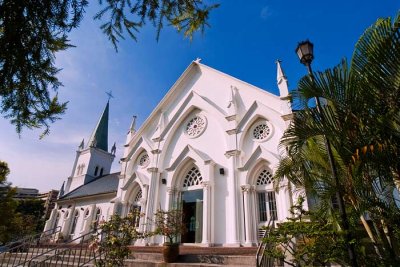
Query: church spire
x=281 y=80
x=99 y=137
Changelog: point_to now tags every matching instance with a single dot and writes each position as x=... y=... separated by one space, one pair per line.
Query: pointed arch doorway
x=191 y=202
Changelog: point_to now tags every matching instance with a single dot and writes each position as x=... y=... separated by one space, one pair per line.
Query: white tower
x=94 y=160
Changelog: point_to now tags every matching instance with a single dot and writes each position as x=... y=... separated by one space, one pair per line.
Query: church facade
x=210 y=147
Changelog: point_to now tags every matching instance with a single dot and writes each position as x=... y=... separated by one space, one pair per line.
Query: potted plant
x=170 y=225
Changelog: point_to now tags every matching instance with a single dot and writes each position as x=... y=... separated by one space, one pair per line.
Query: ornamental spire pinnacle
x=99 y=137
x=281 y=80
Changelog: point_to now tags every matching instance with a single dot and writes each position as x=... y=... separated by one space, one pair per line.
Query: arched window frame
x=193 y=179
x=266 y=196
x=136 y=206
x=96 y=220
x=56 y=220
x=74 y=222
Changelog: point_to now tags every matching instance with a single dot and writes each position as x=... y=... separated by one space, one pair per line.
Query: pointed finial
x=109 y=94
x=113 y=149
x=282 y=81
x=197 y=60
x=133 y=124
x=280 y=75
x=61 y=192
x=82 y=145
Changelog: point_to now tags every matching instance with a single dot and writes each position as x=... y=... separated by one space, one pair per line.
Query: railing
x=261 y=259
x=17 y=252
x=77 y=252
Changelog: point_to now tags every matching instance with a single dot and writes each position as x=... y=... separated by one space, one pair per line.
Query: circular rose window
x=261 y=131
x=196 y=126
x=144 y=160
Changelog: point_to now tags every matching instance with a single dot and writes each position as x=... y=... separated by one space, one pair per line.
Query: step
x=143 y=263
x=242 y=260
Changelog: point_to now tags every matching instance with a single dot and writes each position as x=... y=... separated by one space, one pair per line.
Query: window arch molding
x=74 y=223
x=260 y=177
x=135 y=190
x=184 y=161
x=187 y=166
x=133 y=163
x=177 y=126
x=259 y=112
x=261 y=166
x=192 y=179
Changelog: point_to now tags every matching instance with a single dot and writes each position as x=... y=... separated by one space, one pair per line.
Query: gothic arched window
x=74 y=222
x=193 y=177
x=138 y=196
x=96 y=220
x=267 y=209
x=264 y=178
x=56 y=221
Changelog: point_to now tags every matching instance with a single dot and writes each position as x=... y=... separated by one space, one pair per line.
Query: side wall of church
x=79 y=217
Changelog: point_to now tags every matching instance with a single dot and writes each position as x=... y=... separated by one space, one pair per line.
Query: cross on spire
x=109 y=94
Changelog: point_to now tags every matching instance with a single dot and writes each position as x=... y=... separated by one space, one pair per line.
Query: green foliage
x=362 y=123
x=18 y=218
x=32 y=210
x=304 y=242
x=4 y=172
x=10 y=223
x=8 y=227
x=116 y=235
x=187 y=16
x=169 y=224
x=32 y=32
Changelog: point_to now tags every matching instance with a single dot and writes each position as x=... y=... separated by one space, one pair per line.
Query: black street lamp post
x=305 y=53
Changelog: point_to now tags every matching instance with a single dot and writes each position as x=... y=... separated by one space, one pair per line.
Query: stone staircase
x=193 y=256
x=150 y=256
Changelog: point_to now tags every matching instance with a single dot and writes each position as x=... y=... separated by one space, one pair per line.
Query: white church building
x=210 y=145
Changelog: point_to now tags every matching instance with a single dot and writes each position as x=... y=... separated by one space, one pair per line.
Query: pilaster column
x=152 y=199
x=142 y=202
x=255 y=213
x=206 y=238
x=171 y=198
x=233 y=201
x=124 y=208
x=247 y=217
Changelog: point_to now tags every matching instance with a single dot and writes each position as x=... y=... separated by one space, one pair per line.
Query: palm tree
x=362 y=123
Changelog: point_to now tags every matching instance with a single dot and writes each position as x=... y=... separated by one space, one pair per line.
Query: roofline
x=239 y=80
x=62 y=197
x=170 y=92
x=86 y=196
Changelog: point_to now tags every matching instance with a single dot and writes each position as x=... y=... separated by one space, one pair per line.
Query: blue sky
x=245 y=39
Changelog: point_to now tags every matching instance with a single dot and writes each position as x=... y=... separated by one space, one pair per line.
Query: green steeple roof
x=99 y=137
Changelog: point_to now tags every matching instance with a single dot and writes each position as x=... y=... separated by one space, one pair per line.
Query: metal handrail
x=27 y=244
x=72 y=244
x=261 y=259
